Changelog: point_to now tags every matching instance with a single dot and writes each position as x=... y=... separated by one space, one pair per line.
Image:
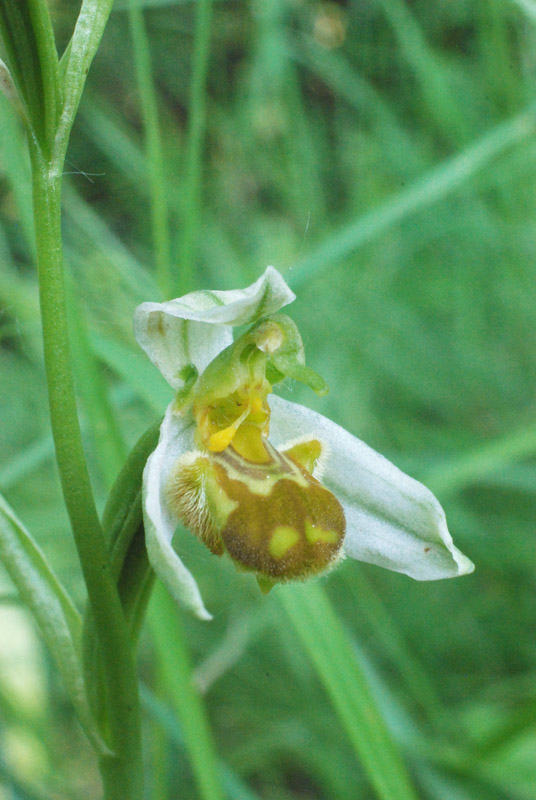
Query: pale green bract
x=392 y=520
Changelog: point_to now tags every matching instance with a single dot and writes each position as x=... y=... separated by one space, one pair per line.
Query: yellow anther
x=255 y=403
x=254 y=412
x=221 y=439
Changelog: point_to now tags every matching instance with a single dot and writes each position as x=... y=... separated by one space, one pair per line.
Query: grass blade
x=235 y=788
x=194 y=153
x=51 y=607
x=174 y=665
x=488 y=458
x=337 y=666
x=425 y=191
x=155 y=158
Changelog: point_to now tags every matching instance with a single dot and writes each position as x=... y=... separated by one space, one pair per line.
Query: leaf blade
x=53 y=610
x=338 y=668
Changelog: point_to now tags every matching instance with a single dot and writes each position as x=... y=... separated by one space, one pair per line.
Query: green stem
x=122 y=772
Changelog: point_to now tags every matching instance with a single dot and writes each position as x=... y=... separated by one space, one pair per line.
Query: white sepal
x=392 y=520
x=176 y=438
x=193 y=329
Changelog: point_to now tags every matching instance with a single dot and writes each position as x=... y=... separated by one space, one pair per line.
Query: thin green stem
x=194 y=151
x=153 y=142
x=30 y=50
x=122 y=773
x=44 y=36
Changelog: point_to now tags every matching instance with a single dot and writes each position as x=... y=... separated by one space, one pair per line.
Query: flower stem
x=122 y=771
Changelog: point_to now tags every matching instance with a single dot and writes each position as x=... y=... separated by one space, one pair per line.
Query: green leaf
x=77 y=60
x=173 y=665
x=51 y=607
x=123 y=524
x=30 y=51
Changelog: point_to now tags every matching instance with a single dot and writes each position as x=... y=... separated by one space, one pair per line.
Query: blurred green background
x=382 y=155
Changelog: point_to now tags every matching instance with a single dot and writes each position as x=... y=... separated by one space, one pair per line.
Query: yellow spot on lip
x=314 y=533
x=306 y=453
x=282 y=539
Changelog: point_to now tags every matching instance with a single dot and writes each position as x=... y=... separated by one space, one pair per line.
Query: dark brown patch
x=250 y=526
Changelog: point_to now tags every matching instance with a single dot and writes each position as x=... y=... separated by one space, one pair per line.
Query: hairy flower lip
x=392 y=520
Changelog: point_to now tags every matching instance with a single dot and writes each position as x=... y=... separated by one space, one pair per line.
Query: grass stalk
x=339 y=670
x=173 y=664
x=194 y=147
x=155 y=157
x=420 y=195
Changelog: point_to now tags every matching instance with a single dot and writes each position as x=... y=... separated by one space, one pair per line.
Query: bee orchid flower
x=285 y=492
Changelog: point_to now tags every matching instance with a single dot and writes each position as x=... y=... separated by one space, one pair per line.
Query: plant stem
x=122 y=771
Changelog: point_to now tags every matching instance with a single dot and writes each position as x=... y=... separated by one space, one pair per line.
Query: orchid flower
x=285 y=492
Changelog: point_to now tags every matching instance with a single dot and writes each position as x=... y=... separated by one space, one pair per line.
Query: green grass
x=382 y=155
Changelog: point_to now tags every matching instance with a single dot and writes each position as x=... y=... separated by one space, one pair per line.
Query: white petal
x=392 y=520
x=176 y=438
x=193 y=329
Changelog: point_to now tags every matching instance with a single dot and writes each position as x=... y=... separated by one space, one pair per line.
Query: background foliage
x=382 y=155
